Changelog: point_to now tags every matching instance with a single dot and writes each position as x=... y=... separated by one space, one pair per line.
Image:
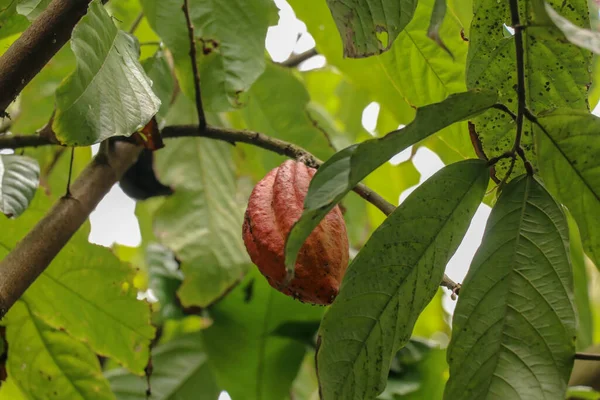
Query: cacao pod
x=274 y=206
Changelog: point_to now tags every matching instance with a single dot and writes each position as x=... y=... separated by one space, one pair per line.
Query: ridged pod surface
x=274 y=206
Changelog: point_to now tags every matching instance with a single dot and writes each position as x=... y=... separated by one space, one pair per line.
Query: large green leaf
x=250 y=362
x=47 y=363
x=556 y=72
x=418 y=373
x=37 y=99
x=585 y=331
x=330 y=91
x=513 y=332
x=109 y=93
x=86 y=291
x=164 y=278
x=568 y=162
x=180 y=371
x=202 y=221
x=585 y=38
x=19 y=179
x=10 y=391
x=277 y=106
x=369 y=27
x=392 y=279
x=10 y=21
x=163 y=83
x=228 y=66
x=31 y=8
x=348 y=167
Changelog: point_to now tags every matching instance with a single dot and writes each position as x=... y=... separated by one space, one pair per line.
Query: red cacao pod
x=275 y=204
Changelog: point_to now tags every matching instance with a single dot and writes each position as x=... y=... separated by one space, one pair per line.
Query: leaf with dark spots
x=392 y=279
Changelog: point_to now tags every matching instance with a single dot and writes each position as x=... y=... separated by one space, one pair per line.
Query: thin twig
x=190 y=28
x=18 y=141
x=136 y=23
x=296 y=59
x=587 y=356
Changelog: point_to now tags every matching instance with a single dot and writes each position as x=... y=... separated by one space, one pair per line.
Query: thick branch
x=31 y=256
x=36 y=46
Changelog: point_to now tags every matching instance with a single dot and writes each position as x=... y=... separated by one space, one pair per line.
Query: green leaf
x=202 y=221
x=32 y=8
x=109 y=93
x=164 y=278
x=302 y=331
x=417 y=373
x=163 y=83
x=585 y=38
x=10 y=391
x=390 y=181
x=513 y=331
x=227 y=65
x=582 y=393
x=567 y=143
x=348 y=167
x=556 y=72
x=277 y=106
x=345 y=107
x=19 y=179
x=180 y=371
x=249 y=362
x=47 y=363
x=437 y=17
x=585 y=331
x=306 y=386
x=86 y=291
x=37 y=100
x=392 y=279
x=11 y=22
x=369 y=27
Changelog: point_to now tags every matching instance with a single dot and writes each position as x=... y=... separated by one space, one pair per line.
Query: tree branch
x=18 y=141
x=242 y=136
x=191 y=36
x=36 y=46
x=31 y=256
x=296 y=59
x=587 y=356
x=521 y=99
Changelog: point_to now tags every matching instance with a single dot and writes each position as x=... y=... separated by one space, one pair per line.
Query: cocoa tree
x=190 y=113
